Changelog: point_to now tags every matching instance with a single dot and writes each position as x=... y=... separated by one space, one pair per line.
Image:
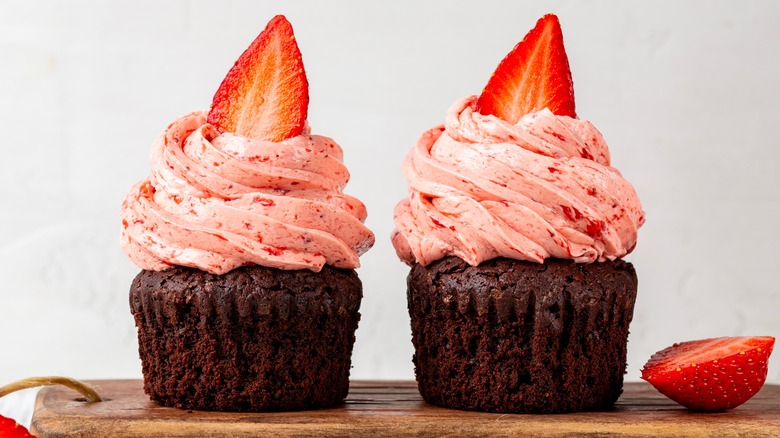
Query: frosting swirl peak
x=217 y=201
x=482 y=188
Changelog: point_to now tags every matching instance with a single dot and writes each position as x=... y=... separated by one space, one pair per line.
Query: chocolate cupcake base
x=521 y=337
x=254 y=339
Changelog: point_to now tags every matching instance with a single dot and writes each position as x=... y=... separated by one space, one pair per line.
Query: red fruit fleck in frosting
x=711 y=374
x=572 y=213
x=146 y=190
x=594 y=228
x=437 y=223
x=265 y=202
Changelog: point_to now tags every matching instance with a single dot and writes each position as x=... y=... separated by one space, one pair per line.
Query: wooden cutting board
x=384 y=408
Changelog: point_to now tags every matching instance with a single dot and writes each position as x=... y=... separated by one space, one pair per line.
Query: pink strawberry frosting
x=481 y=188
x=219 y=201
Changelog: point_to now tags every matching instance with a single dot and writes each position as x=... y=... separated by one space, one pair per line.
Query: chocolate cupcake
x=247 y=299
x=255 y=338
x=512 y=336
x=515 y=228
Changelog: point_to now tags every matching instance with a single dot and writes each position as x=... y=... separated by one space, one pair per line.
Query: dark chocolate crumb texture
x=523 y=337
x=254 y=339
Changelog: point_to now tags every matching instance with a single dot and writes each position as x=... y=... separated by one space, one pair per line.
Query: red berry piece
x=533 y=76
x=711 y=374
x=265 y=95
x=9 y=428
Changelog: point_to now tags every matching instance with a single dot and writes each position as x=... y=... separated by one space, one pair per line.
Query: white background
x=686 y=94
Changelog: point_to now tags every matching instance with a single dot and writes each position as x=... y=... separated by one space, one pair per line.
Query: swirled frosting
x=217 y=201
x=482 y=188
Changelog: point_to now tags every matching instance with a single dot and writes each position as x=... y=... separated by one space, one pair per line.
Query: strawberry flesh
x=533 y=76
x=711 y=374
x=265 y=95
x=9 y=428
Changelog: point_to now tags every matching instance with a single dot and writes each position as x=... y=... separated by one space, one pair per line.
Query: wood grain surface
x=385 y=408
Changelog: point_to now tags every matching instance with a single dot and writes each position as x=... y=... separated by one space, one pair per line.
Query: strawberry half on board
x=533 y=76
x=265 y=95
x=9 y=428
x=711 y=374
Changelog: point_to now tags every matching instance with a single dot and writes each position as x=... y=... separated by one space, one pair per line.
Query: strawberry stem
x=87 y=391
